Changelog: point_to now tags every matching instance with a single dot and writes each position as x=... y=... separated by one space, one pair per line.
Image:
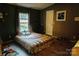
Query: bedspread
x=34 y=42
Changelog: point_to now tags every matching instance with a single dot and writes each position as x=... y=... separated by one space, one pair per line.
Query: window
x=24 y=23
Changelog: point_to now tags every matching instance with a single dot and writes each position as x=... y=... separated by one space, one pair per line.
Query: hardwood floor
x=56 y=49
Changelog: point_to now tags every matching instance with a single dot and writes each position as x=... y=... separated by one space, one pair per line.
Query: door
x=49 y=22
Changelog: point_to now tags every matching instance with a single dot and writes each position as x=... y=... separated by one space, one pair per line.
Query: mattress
x=34 y=42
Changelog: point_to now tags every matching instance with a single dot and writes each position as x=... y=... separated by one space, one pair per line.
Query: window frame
x=27 y=32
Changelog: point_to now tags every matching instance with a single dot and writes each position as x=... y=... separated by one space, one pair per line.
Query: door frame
x=52 y=23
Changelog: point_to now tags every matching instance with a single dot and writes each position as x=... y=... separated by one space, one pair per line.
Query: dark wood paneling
x=35 y=21
x=8 y=25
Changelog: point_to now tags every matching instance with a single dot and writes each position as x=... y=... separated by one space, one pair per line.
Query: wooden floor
x=56 y=49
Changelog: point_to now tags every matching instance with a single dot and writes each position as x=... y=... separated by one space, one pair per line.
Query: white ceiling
x=38 y=6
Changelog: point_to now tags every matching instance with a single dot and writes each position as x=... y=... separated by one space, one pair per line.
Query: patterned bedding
x=34 y=42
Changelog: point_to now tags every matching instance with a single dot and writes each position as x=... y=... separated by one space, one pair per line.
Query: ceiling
x=38 y=6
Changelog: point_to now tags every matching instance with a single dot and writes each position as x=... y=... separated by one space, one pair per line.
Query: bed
x=34 y=42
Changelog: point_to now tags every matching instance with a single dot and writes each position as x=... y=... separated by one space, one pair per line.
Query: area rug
x=9 y=52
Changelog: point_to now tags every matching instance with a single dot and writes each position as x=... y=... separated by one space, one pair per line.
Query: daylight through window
x=23 y=23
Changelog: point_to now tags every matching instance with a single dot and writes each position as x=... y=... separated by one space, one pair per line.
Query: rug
x=9 y=52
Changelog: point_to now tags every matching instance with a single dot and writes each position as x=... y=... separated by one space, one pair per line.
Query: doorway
x=49 y=22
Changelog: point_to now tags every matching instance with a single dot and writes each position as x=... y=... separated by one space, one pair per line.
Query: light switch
x=76 y=18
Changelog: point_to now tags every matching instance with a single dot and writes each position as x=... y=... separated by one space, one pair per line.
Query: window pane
x=23 y=16
x=23 y=22
x=23 y=27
